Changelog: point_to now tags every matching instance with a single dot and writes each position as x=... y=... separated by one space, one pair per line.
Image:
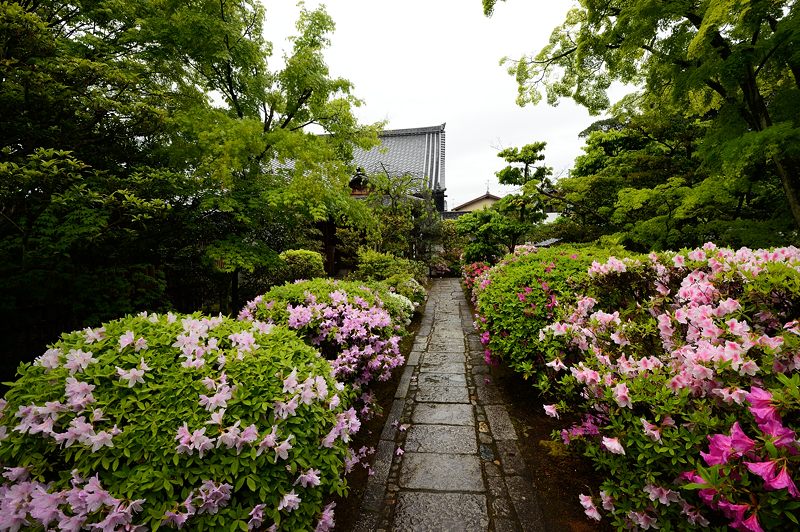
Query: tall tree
x=733 y=61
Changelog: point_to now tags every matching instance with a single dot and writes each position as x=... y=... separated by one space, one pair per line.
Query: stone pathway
x=461 y=468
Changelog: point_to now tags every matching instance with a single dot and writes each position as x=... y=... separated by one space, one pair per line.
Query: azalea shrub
x=472 y=271
x=160 y=421
x=406 y=286
x=523 y=293
x=681 y=371
x=355 y=326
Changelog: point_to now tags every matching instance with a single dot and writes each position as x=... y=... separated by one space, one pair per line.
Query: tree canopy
x=732 y=64
x=150 y=156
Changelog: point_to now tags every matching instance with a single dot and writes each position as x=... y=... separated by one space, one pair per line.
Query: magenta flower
x=719 y=450
x=739 y=440
x=781 y=481
x=765 y=470
x=751 y=524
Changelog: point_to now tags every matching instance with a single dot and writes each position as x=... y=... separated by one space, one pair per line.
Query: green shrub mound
x=376 y=266
x=356 y=327
x=406 y=286
x=164 y=420
x=301 y=264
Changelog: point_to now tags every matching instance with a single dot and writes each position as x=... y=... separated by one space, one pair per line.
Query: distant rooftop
x=416 y=151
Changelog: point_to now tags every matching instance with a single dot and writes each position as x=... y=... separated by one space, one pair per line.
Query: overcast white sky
x=424 y=62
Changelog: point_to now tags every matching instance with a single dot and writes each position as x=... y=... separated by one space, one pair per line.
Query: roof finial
x=487 y=187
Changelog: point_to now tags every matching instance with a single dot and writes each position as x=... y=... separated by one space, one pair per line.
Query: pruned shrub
x=407 y=286
x=165 y=420
x=375 y=266
x=355 y=326
x=301 y=264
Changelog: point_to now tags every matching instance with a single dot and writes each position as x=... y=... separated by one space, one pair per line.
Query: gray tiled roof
x=417 y=151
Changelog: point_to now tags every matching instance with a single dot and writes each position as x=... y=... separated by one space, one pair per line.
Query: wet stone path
x=460 y=467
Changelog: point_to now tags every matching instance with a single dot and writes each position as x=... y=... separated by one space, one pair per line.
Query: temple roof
x=416 y=151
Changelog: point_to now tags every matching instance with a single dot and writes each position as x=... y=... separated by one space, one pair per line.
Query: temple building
x=418 y=152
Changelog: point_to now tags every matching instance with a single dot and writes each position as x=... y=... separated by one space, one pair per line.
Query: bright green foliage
x=143 y=166
x=500 y=228
x=141 y=462
x=406 y=220
x=640 y=181
x=376 y=266
x=302 y=264
x=373 y=292
x=733 y=63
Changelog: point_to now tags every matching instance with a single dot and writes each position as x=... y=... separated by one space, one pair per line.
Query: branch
x=302 y=100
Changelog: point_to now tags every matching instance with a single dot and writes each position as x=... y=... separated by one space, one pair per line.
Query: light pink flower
x=613 y=445
x=290 y=502
x=551 y=411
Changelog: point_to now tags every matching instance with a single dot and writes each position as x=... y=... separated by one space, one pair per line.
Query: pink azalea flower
x=621 y=395
x=326 y=522
x=551 y=411
x=588 y=507
x=282 y=450
x=125 y=340
x=613 y=445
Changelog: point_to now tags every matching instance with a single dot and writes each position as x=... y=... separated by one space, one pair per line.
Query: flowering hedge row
x=165 y=420
x=681 y=370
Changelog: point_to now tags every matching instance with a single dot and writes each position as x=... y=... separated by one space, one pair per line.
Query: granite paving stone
x=420 y=511
x=449 y=379
x=430 y=358
x=442 y=367
x=500 y=423
x=443 y=414
x=442 y=394
x=441 y=472
x=449 y=439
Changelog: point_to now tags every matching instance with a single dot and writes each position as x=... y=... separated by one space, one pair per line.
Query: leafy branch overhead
x=733 y=63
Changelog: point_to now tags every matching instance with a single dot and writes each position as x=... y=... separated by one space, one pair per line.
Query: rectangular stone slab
x=441 y=472
x=441 y=439
x=443 y=414
x=442 y=394
x=420 y=511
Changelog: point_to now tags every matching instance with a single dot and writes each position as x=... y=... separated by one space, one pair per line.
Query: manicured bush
x=523 y=293
x=682 y=369
x=356 y=327
x=165 y=420
x=375 y=266
x=406 y=286
x=301 y=264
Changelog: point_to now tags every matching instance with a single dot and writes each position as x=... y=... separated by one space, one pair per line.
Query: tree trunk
x=788 y=180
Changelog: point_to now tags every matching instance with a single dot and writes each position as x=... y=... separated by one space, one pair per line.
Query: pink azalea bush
x=682 y=372
x=174 y=421
x=357 y=327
